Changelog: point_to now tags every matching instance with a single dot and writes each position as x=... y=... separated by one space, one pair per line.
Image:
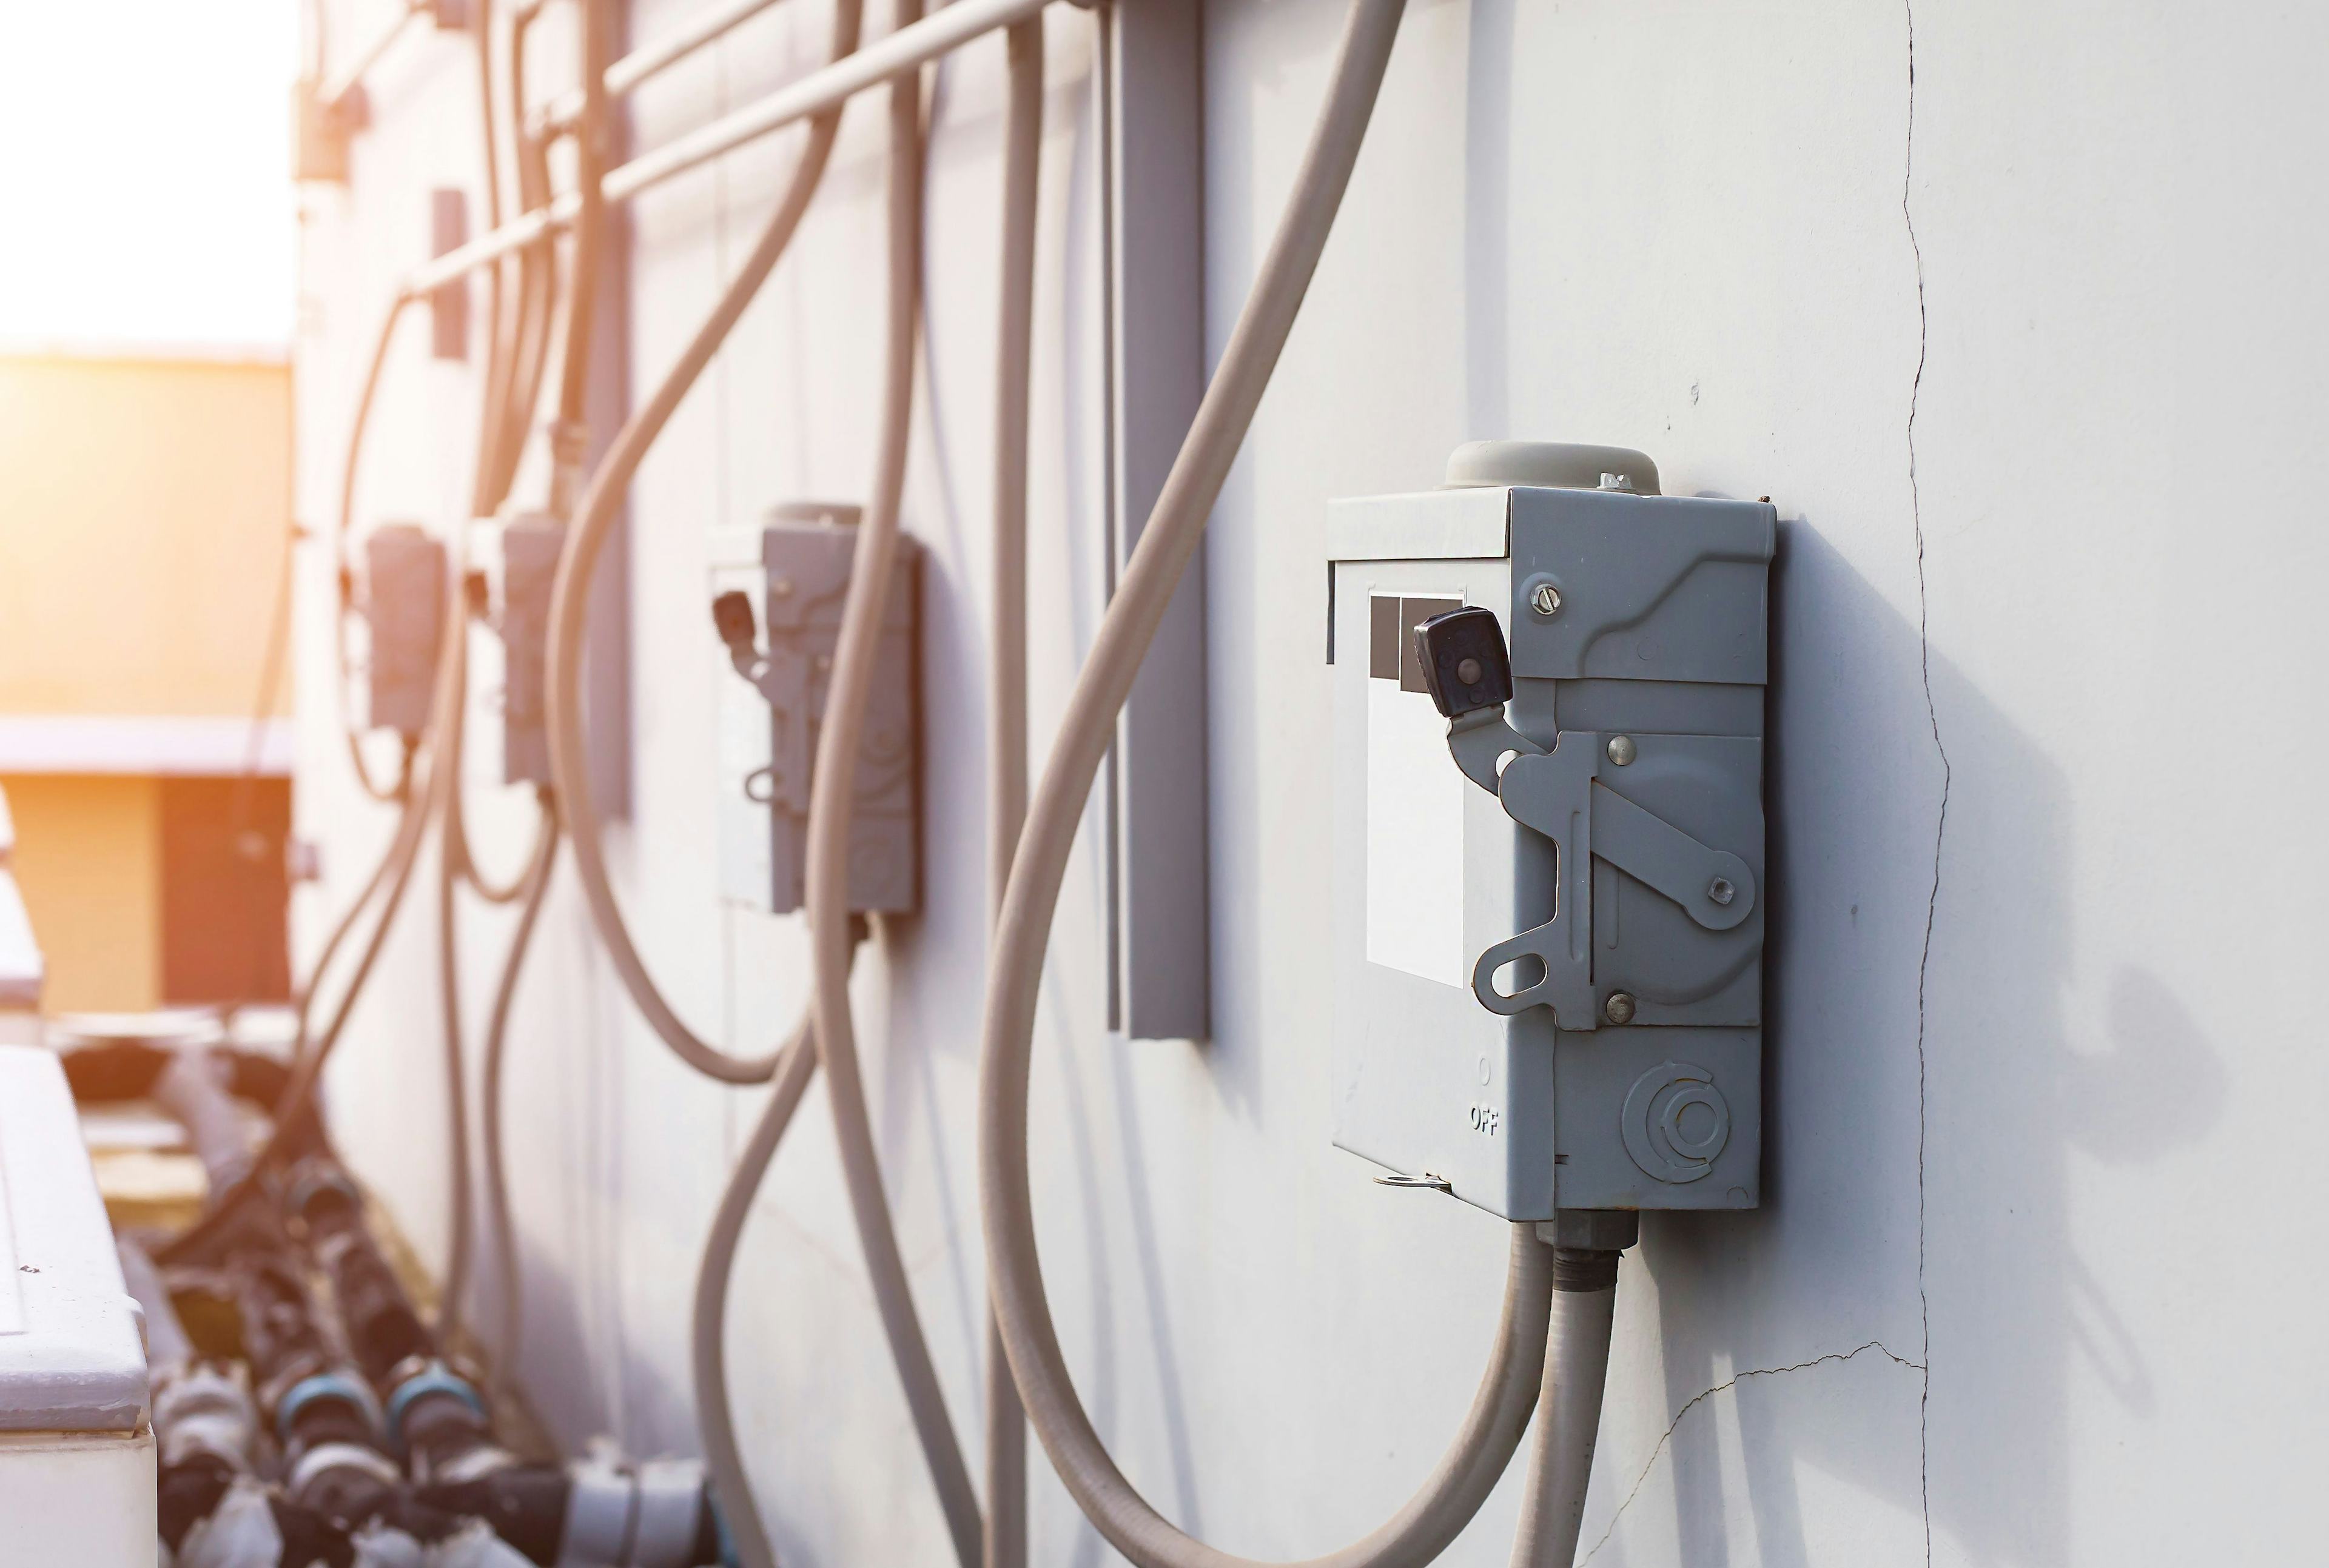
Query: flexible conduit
x=569 y=599
x=1420 y=1528
x=1006 y=1545
x=831 y=800
x=1490 y=1432
x=509 y=1273
x=626 y=75
x=343 y=567
x=820 y=91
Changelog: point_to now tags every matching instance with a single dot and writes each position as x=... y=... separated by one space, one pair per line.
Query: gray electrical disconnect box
x=1549 y=912
x=404 y=604
x=776 y=601
x=530 y=547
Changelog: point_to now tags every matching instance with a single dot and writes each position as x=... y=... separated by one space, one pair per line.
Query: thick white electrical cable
x=907 y=49
x=387 y=883
x=589 y=234
x=1468 y=1472
x=626 y=75
x=513 y=390
x=731 y=1482
x=304 y=1004
x=569 y=599
x=1006 y=1544
x=459 y=1191
x=1568 y=1420
x=403 y=853
x=569 y=762
x=450 y=736
x=509 y=1270
x=833 y=788
x=342 y=566
x=513 y=383
x=498 y=362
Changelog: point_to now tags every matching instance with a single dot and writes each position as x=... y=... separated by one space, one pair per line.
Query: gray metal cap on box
x=71 y=1356
x=1553 y=465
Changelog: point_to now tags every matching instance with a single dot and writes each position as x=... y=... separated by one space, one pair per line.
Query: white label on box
x=1415 y=838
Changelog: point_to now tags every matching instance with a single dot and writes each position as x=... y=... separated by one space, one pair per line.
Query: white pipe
x=560 y=113
x=1568 y=1420
x=915 y=44
x=333 y=95
x=908 y=48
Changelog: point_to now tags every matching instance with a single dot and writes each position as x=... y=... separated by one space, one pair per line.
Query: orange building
x=147 y=514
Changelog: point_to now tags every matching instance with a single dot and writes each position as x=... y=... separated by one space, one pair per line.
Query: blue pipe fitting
x=322 y=1387
x=434 y=1378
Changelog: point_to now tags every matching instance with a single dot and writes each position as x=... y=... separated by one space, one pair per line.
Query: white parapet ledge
x=22 y=970
x=131 y=743
x=230 y=354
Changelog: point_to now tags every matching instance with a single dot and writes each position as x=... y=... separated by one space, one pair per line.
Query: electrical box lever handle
x=1713 y=886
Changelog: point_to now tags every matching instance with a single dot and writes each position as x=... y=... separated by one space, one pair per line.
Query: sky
x=146 y=193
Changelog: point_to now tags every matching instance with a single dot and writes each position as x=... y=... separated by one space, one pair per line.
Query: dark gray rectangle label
x=1392 y=621
x=1413 y=613
x=1382 y=637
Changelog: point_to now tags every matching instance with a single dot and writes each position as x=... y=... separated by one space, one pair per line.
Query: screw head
x=1620 y=749
x=1619 y=1008
x=1720 y=891
x=1546 y=600
x=781 y=589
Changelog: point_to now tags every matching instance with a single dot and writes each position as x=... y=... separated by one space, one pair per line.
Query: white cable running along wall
x=2036 y=390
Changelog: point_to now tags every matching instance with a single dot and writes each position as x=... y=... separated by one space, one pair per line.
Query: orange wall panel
x=88 y=861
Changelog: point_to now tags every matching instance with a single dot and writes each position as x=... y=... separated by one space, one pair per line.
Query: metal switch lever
x=1713 y=886
x=780 y=676
x=1559 y=794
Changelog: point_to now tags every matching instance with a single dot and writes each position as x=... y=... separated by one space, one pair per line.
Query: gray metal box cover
x=797 y=570
x=531 y=546
x=1661 y=637
x=404 y=604
x=70 y=1357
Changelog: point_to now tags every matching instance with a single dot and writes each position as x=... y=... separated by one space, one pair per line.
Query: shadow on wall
x=2011 y=1097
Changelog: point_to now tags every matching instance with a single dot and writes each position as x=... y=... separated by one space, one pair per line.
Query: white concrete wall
x=2026 y=347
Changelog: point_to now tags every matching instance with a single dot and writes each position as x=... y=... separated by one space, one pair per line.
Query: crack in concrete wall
x=1666 y=1439
x=1941 y=823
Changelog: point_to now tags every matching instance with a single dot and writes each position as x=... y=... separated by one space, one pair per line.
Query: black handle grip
x=1464 y=659
x=731 y=617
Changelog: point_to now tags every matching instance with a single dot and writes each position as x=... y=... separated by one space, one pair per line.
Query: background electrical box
x=1614 y=1061
x=795 y=573
x=405 y=587
x=530 y=547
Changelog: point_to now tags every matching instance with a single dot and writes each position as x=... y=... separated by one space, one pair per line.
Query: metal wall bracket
x=1151 y=122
